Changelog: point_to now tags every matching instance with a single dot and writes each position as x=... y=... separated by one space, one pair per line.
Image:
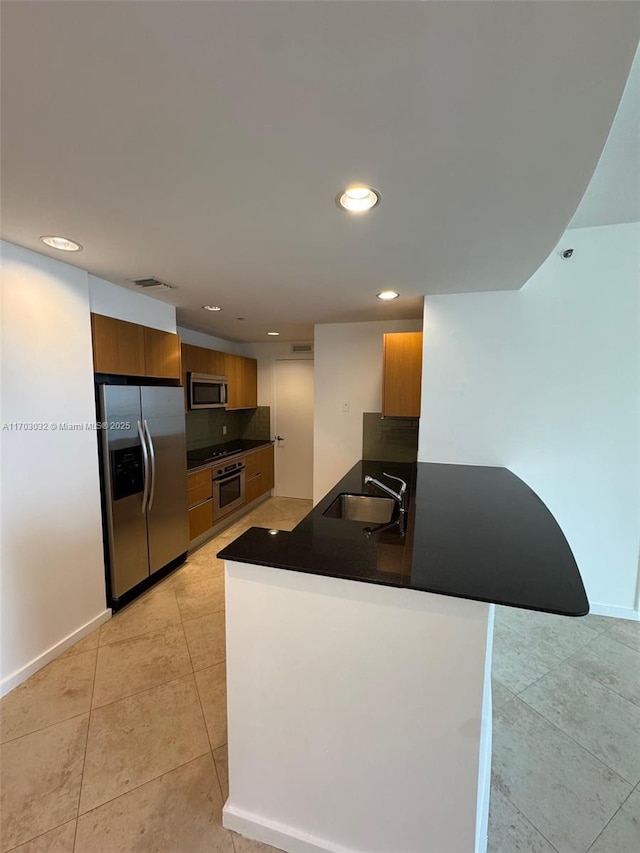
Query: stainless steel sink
x=368 y=508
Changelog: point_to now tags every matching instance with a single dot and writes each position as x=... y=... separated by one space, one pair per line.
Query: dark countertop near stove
x=472 y=532
x=205 y=457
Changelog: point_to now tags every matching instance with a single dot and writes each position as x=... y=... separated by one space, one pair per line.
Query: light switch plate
x=345 y=405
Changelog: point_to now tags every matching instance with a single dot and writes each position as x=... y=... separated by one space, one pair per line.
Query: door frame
x=274 y=363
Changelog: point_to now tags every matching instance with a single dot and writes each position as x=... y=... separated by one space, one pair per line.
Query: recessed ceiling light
x=273 y=333
x=386 y=295
x=212 y=308
x=358 y=199
x=62 y=243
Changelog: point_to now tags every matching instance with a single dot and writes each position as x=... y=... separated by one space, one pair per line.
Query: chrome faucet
x=398 y=524
x=399 y=496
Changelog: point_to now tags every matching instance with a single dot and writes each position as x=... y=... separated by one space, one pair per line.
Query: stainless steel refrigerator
x=144 y=479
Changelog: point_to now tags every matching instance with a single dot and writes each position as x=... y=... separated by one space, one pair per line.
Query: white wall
x=546 y=381
x=52 y=560
x=357 y=714
x=112 y=300
x=200 y=339
x=267 y=354
x=348 y=367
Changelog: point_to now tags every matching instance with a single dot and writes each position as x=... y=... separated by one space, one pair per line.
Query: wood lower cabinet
x=268 y=478
x=130 y=349
x=258 y=481
x=258 y=473
x=199 y=486
x=402 y=375
x=242 y=375
x=253 y=489
x=200 y=502
x=200 y=519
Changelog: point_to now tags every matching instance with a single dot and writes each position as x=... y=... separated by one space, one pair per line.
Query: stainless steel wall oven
x=228 y=489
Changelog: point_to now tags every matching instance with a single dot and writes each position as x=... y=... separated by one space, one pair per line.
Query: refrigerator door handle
x=152 y=452
x=145 y=465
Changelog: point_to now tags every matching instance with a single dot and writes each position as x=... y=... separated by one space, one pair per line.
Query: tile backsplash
x=389 y=439
x=204 y=427
x=256 y=423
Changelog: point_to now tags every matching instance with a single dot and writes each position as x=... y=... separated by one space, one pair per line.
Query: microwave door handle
x=152 y=453
x=145 y=468
x=224 y=393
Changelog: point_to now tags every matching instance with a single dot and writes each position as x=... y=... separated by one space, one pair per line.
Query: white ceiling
x=204 y=143
x=613 y=195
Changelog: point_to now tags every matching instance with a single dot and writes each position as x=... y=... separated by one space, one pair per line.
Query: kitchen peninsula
x=359 y=660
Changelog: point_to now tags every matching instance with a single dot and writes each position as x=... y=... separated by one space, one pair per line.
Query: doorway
x=293 y=420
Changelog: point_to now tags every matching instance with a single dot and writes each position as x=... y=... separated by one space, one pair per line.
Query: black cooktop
x=195 y=458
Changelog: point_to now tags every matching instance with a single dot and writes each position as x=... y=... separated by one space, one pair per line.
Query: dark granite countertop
x=472 y=532
x=205 y=457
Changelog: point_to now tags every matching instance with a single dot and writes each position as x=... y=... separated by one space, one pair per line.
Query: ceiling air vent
x=301 y=347
x=152 y=284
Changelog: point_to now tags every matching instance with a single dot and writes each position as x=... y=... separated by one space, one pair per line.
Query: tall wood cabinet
x=402 y=375
x=242 y=374
x=130 y=349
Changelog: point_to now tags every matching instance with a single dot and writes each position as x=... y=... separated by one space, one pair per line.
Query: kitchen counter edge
x=462 y=545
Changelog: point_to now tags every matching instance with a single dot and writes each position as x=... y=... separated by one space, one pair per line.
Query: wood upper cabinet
x=133 y=350
x=118 y=346
x=402 y=375
x=202 y=360
x=161 y=353
x=242 y=375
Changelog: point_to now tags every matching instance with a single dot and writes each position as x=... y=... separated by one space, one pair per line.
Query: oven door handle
x=230 y=476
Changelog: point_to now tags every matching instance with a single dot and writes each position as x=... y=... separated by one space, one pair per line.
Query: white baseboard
x=285 y=838
x=24 y=672
x=616 y=612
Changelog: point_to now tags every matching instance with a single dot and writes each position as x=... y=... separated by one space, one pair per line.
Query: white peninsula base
x=359 y=715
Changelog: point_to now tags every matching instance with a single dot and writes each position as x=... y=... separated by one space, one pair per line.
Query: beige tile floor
x=119 y=745
x=566 y=734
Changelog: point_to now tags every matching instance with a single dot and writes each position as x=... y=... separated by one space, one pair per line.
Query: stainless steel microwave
x=206 y=391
